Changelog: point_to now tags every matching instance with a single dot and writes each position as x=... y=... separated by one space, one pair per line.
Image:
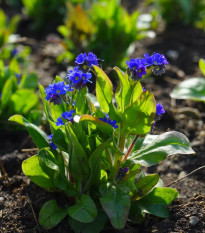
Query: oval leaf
x=116 y=205
x=164 y=145
x=33 y=169
x=84 y=211
x=192 y=89
x=156 y=202
x=51 y=215
x=104 y=89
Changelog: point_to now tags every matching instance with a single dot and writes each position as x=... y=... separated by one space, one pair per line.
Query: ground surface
x=20 y=201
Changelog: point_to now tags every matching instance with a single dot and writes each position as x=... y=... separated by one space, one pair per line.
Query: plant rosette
x=99 y=146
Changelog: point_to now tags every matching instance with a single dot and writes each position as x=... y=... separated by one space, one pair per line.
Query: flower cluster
x=66 y=116
x=137 y=67
x=107 y=119
x=55 y=91
x=81 y=75
x=78 y=78
x=87 y=60
x=122 y=173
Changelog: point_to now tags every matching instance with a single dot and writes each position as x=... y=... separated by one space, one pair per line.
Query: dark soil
x=21 y=200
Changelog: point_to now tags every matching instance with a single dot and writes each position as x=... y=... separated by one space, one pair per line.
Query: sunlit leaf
x=193 y=89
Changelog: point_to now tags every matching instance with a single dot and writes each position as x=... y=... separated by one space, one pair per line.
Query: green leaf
x=136 y=91
x=6 y=93
x=80 y=102
x=34 y=170
x=94 y=227
x=38 y=136
x=124 y=91
x=62 y=183
x=48 y=159
x=104 y=127
x=45 y=104
x=51 y=215
x=138 y=118
x=77 y=157
x=145 y=184
x=59 y=139
x=156 y=202
x=104 y=89
x=84 y=211
x=95 y=164
x=29 y=81
x=23 y=100
x=116 y=204
x=164 y=145
x=202 y=65
x=192 y=89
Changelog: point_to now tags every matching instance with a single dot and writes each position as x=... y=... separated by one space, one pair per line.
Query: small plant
x=17 y=92
x=193 y=88
x=100 y=28
x=187 y=12
x=99 y=145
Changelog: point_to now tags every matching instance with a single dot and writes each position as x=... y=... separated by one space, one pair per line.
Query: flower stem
x=130 y=149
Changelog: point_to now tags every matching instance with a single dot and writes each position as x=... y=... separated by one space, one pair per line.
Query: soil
x=21 y=200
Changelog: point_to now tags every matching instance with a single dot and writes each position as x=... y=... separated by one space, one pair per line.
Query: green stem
x=109 y=156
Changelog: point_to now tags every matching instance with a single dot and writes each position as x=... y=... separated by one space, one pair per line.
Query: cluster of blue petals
x=107 y=119
x=78 y=78
x=68 y=116
x=51 y=143
x=89 y=60
x=159 y=109
x=54 y=92
x=137 y=67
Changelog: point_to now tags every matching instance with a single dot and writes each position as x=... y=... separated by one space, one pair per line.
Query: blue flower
x=75 y=76
x=59 y=122
x=107 y=119
x=14 y=52
x=65 y=115
x=78 y=78
x=80 y=59
x=137 y=67
x=54 y=92
x=86 y=77
x=89 y=60
x=68 y=115
x=159 y=109
x=92 y=59
x=52 y=144
x=159 y=59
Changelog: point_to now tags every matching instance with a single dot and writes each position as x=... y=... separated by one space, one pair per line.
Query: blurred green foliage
x=46 y=13
x=7 y=28
x=103 y=27
x=17 y=91
x=187 y=12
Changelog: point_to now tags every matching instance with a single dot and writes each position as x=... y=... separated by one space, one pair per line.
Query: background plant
x=99 y=146
x=46 y=12
x=101 y=27
x=17 y=89
x=193 y=88
x=187 y=12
